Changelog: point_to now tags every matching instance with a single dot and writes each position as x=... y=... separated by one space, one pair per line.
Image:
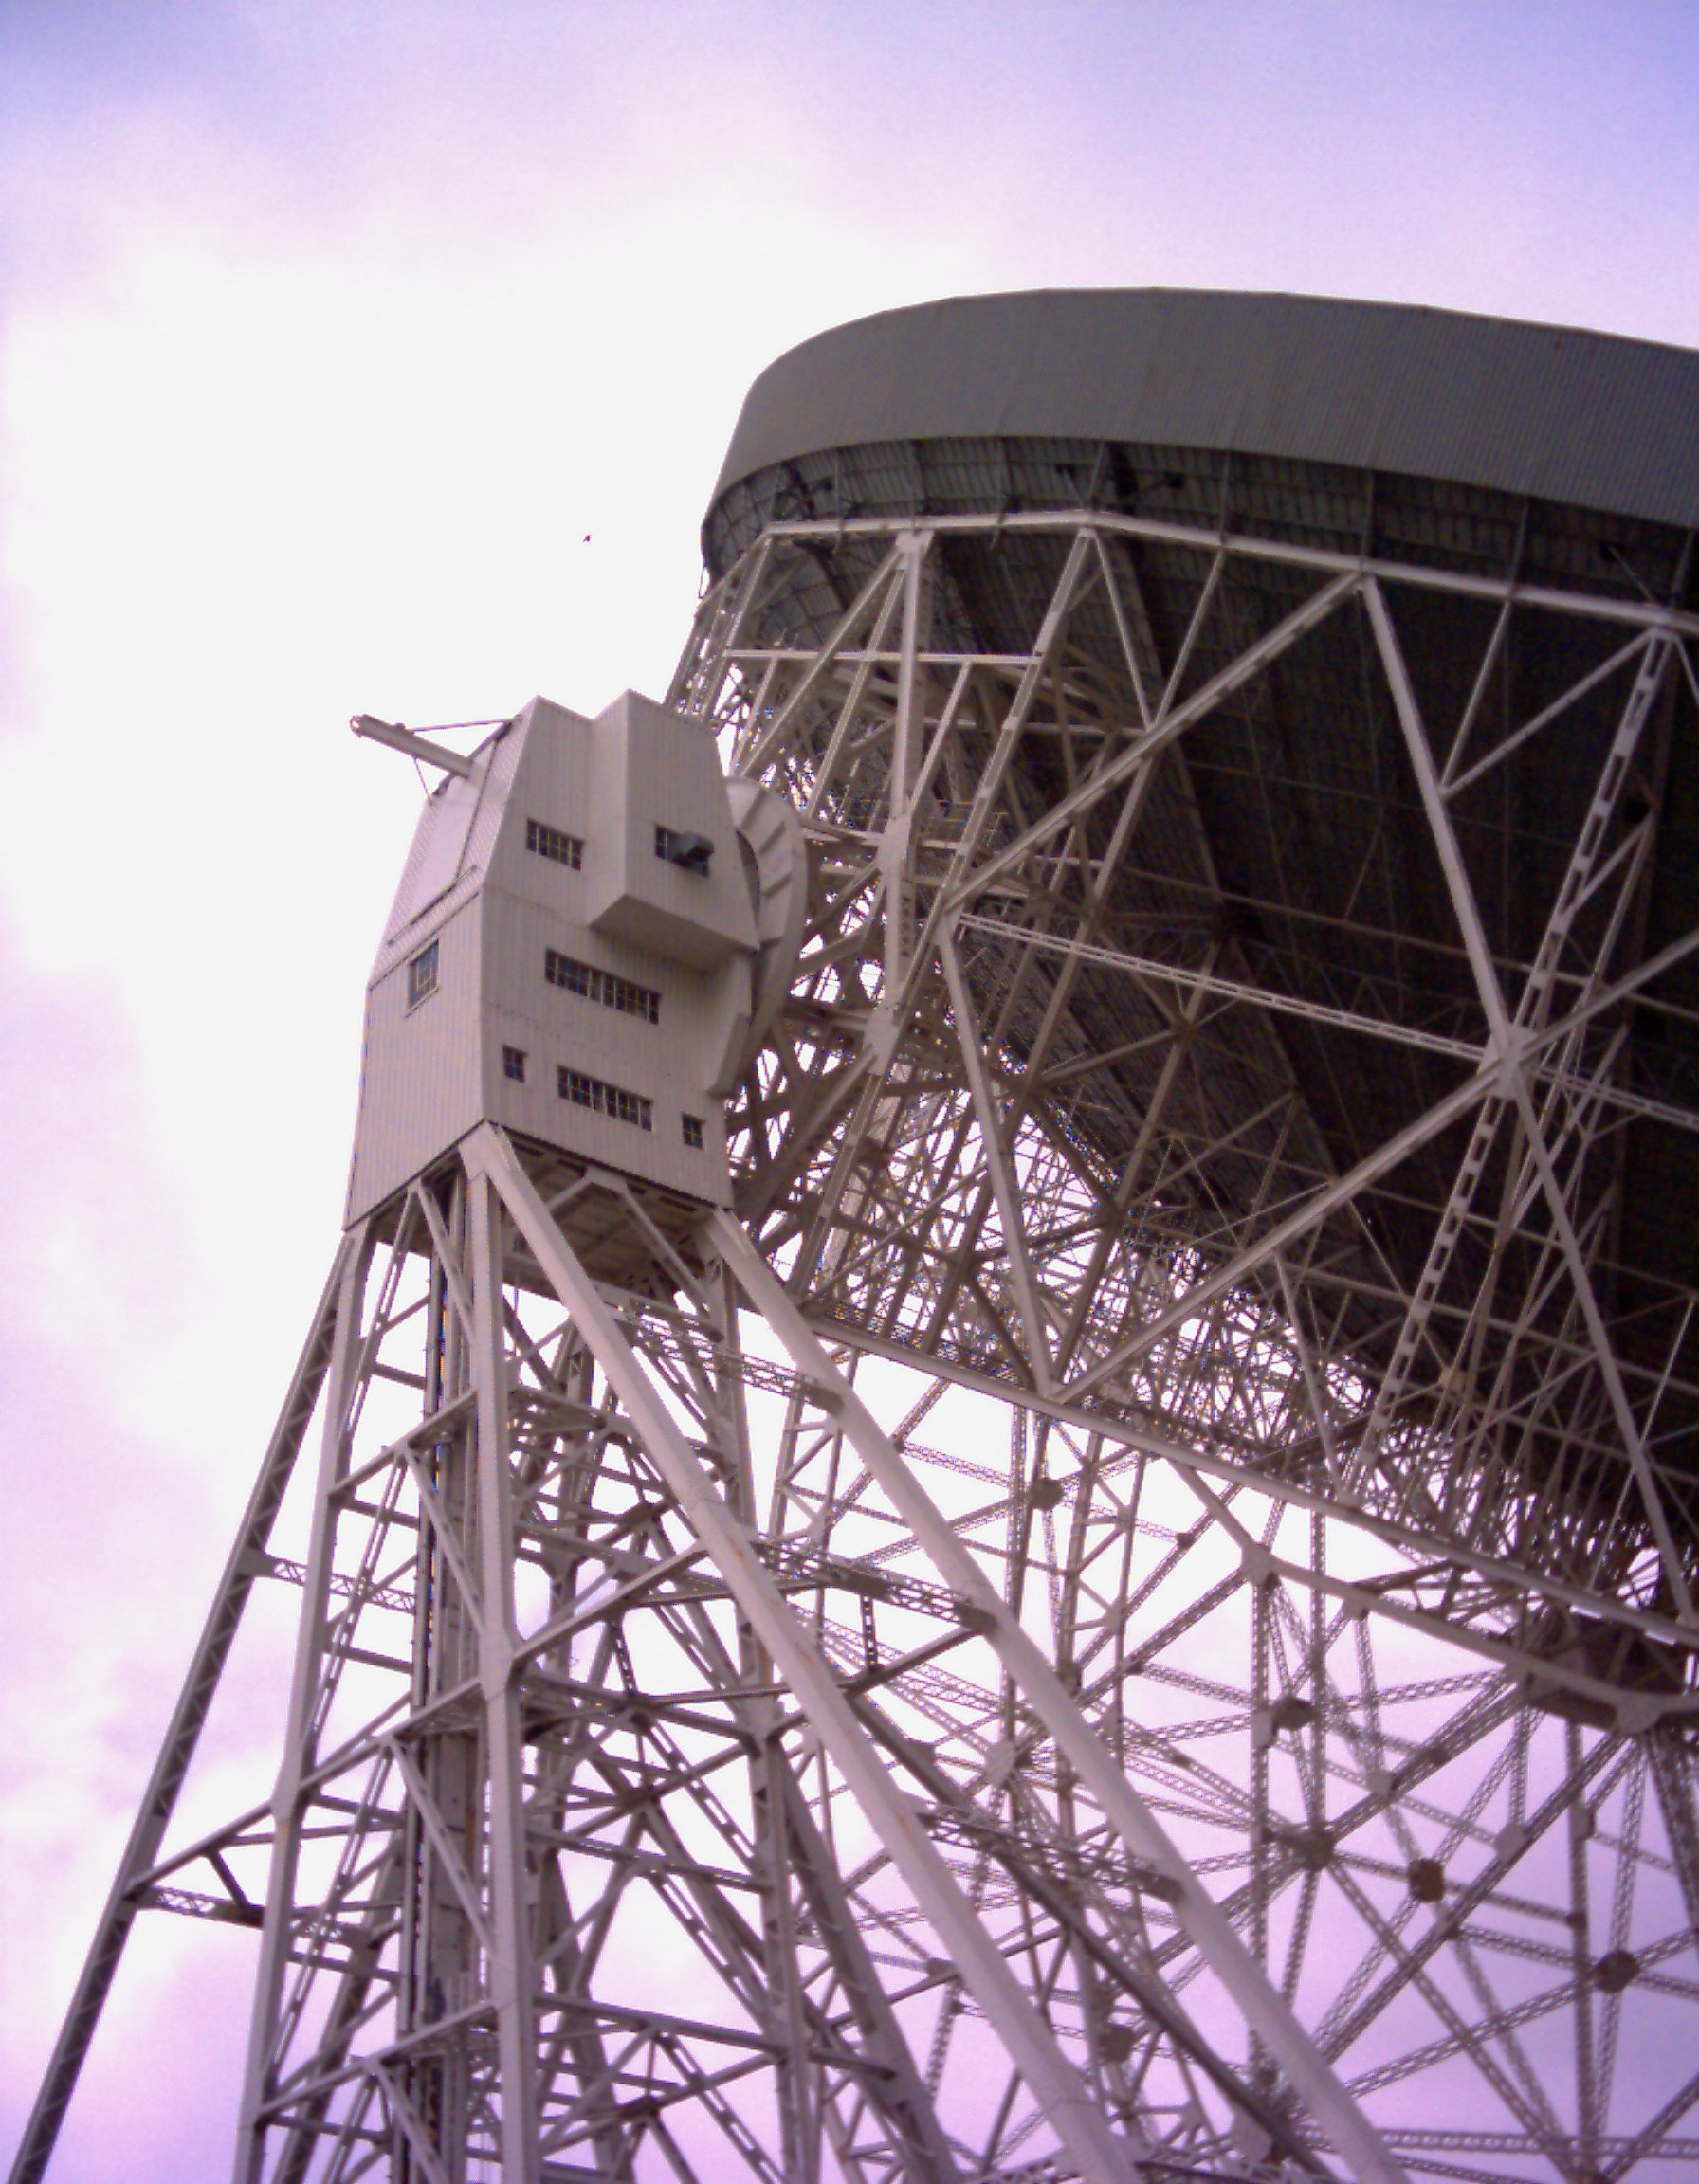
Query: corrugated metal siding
x=549 y=779
x=655 y=769
x=667 y=1061
x=1551 y=411
x=509 y=746
x=415 y=912
x=431 y=1074
x=419 y=1079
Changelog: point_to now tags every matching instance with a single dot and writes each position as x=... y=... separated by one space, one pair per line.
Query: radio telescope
x=1005 y=1444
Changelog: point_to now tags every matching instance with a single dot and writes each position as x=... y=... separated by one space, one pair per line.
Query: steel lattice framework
x=1130 y=1614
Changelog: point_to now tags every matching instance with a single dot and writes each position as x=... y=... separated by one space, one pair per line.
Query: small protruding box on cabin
x=664 y=870
x=572 y=952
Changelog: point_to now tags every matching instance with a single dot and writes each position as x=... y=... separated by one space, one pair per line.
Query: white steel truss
x=979 y=1666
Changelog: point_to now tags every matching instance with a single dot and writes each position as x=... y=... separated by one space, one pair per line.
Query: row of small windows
x=689 y=853
x=565 y=971
x=585 y=1091
x=612 y=1100
x=606 y=987
x=613 y=991
x=551 y=843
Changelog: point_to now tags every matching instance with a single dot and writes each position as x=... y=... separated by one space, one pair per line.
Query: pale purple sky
x=326 y=334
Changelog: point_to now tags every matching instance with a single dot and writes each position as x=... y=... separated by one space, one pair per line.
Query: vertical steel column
x=510 y=1972
x=290 y=1798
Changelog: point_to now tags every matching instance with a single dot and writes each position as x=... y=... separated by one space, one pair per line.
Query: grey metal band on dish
x=1554 y=413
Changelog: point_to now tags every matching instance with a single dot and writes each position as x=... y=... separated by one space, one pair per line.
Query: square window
x=689 y=853
x=513 y=1064
x=693 y=1130
x=421 y=975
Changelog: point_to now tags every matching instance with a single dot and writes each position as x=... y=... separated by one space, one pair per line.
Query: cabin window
x=612 y=993
x=613 y=1100
x=693 y=1132
x=513 y=1064
x=689 y=853
x=551 y=843
x=421 y=975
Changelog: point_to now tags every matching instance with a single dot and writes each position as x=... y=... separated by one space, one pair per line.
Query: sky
x=370 y=357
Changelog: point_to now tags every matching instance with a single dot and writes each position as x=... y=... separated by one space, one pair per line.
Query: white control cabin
x=583 y=947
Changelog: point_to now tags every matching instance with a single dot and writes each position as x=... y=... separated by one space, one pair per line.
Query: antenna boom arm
x=399 y=738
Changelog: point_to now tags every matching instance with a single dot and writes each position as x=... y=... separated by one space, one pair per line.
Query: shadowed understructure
x=1113 y=1593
